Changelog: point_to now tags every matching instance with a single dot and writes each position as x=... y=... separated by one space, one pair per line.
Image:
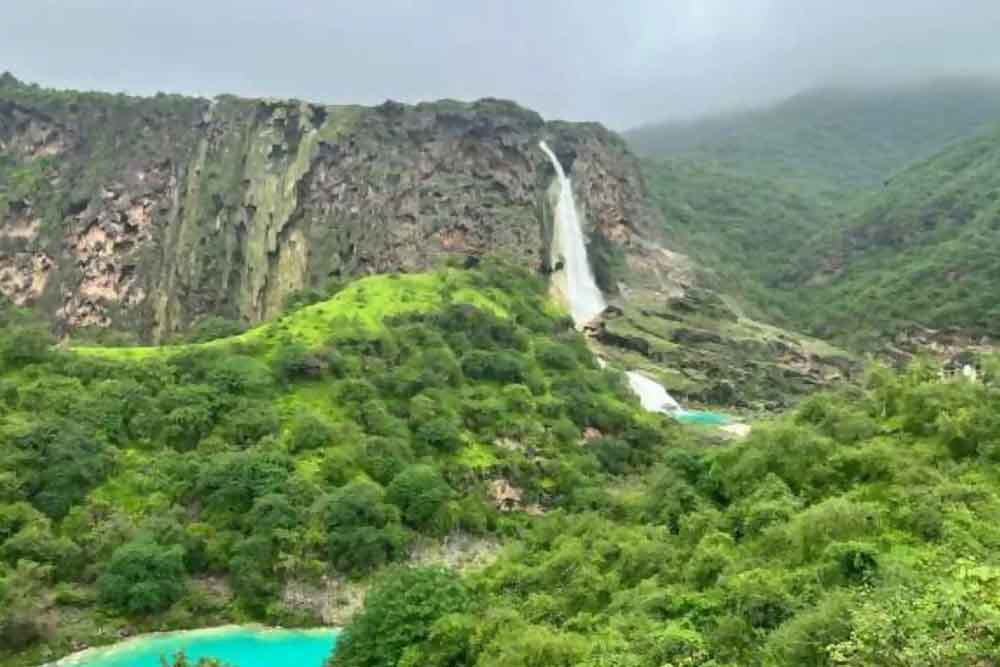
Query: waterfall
x=584 y=297
x=651 y=394
x=581 y=292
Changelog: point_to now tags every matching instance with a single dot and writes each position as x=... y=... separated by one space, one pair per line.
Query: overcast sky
x=622 y=62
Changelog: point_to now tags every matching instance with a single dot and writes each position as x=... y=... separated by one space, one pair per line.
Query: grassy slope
x=363 y=304
x=742 y=228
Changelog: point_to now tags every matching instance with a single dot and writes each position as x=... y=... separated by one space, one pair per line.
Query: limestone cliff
x=146 y=214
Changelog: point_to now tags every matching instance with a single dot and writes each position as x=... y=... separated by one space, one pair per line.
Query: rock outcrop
x=145 y=214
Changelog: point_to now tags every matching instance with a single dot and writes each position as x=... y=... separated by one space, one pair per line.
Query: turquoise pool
x=237 y=646
x=703 y=417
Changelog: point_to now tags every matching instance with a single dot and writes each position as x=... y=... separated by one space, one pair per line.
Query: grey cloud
x=622 y=63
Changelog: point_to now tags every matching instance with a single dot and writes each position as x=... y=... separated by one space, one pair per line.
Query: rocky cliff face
x=147 y=214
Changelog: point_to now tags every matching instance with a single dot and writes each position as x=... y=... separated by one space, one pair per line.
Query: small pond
x=703 y=417
x=240 y=646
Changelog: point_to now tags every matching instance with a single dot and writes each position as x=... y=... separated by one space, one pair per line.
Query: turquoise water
x=703 y=417
x=237 y=646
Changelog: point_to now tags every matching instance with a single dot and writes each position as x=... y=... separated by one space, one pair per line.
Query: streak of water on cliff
x=580 y=289
x=582 y=293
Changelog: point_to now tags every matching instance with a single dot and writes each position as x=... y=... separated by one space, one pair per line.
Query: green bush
x=362 y=530
x=311 y=431
x=143 y=577
x=420 y=493
x=399 y=613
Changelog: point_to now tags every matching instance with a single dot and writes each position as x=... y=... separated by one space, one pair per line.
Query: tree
x=440 y=433
x=363 y=530
x=61 y=463
x=420 y=493
x=143 y=577
x=230 y=483
x=399 y=613
x=22 y=601
x=292 y=361
x=311 y=431
x=249 y=422
x=213 y=327
x=384 y=458
x=26 y=342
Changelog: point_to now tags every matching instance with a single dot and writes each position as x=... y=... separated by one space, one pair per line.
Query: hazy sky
x=622 y=62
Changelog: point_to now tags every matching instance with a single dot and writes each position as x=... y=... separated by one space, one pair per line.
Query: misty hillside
x=924 y=250
x=921 y=251
x=741 y=227
x=832 y=138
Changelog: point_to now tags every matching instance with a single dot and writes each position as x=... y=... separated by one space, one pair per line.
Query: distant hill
x=925 y=250
x=743 y=228
x=832 y=139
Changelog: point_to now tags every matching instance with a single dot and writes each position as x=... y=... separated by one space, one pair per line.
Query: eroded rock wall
x=147 y=214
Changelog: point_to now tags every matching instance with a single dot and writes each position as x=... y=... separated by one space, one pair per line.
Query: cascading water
x=582 y=293
x=652 y=395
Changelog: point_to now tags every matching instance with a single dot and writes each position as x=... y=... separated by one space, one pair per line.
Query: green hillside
x=925 y=250
x=857 y=531
x=741 y=229
x=835 y=139
x=896 y=246
x=191 y=485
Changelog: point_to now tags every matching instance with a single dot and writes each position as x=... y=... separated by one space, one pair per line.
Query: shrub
x=363 y=531
x=143 y=577
x=60 y=464
x=214 y=327
x=555 y=356
x=399 y=613
x=384 y=458
x=420 y=493
x=311 y=431
x=501 y=366
x=249 y=422
x=441 y=434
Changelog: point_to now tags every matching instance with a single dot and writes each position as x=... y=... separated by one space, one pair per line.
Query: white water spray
x=581 y=291
x=584 y=297
x=652 y=395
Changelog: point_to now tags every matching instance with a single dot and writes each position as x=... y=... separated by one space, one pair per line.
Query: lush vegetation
x=925 y=250
x=861 y=529
x=920 y=248
x=741 y=229
x=186 y=485
x=832 y=140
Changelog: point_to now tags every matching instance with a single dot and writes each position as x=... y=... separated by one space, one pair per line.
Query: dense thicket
x=859 y=530
x=130 y=480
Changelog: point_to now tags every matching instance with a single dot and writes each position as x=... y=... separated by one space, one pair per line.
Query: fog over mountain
x=620 y=63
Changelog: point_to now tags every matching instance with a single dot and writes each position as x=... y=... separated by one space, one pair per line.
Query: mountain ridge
x=833 y=139
x=147 y=213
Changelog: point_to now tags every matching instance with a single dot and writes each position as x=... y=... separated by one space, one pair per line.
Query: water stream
x=581 y=291
x=652 y=394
